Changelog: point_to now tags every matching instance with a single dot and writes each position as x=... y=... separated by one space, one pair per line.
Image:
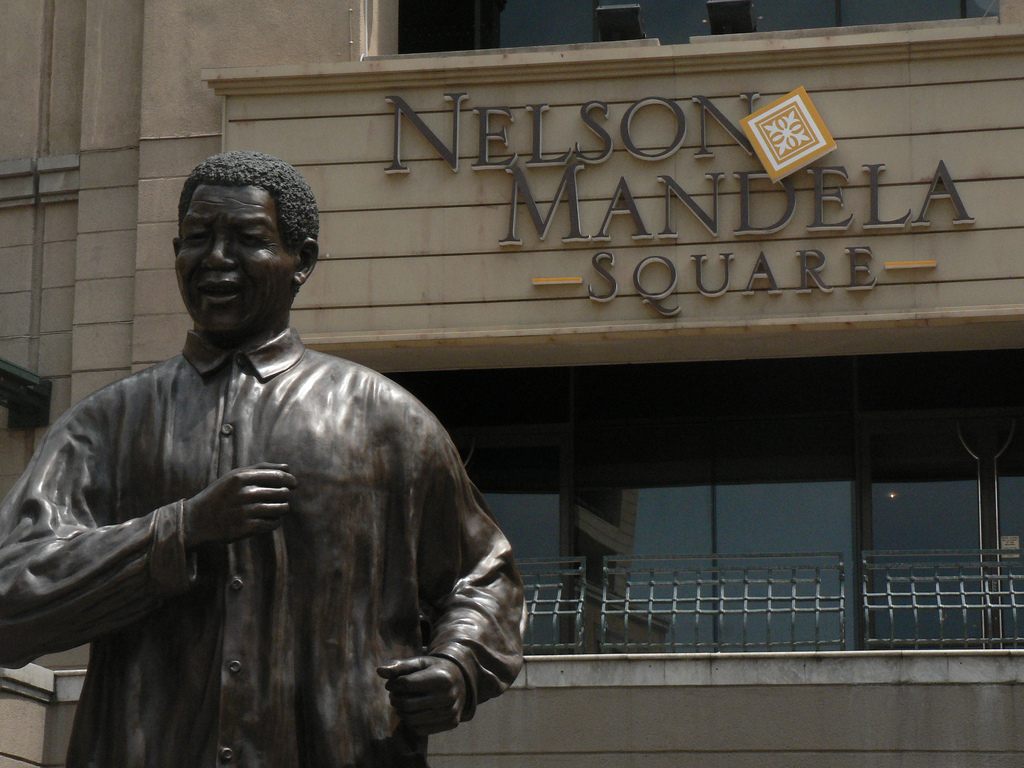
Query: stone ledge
x=26 y=181
x=30 y=681
x=772 y=669
x=680 y=670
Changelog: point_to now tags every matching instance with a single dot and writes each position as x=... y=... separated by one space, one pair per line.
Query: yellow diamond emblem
x=788 y=134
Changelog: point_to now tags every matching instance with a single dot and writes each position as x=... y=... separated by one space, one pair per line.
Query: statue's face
x=236 y=276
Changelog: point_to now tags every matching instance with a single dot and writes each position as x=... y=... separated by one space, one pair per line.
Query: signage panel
x=537 y=196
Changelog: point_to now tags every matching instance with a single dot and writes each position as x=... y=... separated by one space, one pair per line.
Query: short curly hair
x=297 y=213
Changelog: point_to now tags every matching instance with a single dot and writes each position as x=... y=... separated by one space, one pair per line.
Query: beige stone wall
x=104 y=113
x=181 y=120
x=1011 y=11
x=41 y=56
x=111 y=114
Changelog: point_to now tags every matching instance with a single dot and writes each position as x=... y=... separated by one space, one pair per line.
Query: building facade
x=719 y=416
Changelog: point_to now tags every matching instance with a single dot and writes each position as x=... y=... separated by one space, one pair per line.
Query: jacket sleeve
x=68 y=572
x=470 y=582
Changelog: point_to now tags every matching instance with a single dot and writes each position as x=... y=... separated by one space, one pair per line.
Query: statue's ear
x=308 y=253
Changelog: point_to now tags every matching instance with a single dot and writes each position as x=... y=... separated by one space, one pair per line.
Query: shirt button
x=227 y=429
x=226 y=754
x=237 y=583
x=235 y=665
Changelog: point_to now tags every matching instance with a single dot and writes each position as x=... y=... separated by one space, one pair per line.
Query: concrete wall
x=865 y=710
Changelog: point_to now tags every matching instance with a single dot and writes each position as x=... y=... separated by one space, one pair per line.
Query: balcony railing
x=944 y=599
x=788 y=602
x=554 y=596
x=792 y=602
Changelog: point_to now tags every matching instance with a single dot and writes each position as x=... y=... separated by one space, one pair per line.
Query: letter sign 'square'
x=788 y=134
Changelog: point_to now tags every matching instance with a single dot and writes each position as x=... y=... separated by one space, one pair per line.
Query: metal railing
x=785 y=602
x=554 y=595
x=943 y=599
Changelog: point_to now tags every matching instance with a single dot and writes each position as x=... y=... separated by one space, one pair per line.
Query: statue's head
x=247 y=228
x=297 y=213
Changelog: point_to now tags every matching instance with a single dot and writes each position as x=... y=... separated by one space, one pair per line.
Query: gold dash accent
x=911 y=264
x=573 y=280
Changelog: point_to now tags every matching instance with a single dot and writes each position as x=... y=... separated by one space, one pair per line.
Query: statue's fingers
x=393 y=670
x=266 y=477
x=415 y=704
x=422 y=682
x=269 y=465
x=267 y=510
x=257 y=493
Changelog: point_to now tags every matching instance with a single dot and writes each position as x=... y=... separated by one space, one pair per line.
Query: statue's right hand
x=244 y=502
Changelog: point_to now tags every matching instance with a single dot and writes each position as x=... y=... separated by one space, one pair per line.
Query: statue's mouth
x=223 y=289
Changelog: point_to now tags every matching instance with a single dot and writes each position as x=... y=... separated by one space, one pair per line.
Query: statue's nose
x=219 y=255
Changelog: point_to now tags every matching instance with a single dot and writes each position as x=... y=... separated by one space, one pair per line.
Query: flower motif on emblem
x=787 y=133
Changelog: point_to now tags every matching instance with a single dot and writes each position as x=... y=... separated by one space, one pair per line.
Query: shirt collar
x=269 y=359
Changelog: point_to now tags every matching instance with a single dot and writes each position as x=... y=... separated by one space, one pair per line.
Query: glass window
x=541 y=22
x=887 y=12
x=672 y=21
x=675 y=519
x=775 y=15
x=1010 y=467
x=924 y=500
x=641 y=489
x=712 y=473
x=468 y=24
x=781 y=518
x=924 y=489
x=528 y=520
x=976 y=8
x=521 y=487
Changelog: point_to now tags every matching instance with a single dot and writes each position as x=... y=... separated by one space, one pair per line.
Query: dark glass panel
x=492 y=397
x=528 y=520
x=977 y=8
x=924 y=489
x=784 y=450
x=513 y=469
x=444 y=25
x=643 y=455
x=672 y=21
x=785 y=518
x=889 y=12
x=541 y=22
x=990 y=379
x=1010 y=467
x=730 y=389
x=521 y=486
x=774 y=15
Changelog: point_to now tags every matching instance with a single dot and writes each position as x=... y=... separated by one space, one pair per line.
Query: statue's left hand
x=427 y=691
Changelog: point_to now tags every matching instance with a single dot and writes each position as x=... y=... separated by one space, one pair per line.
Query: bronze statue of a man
x=253 y=534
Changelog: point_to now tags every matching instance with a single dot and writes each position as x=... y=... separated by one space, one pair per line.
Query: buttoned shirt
x=261 y=652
